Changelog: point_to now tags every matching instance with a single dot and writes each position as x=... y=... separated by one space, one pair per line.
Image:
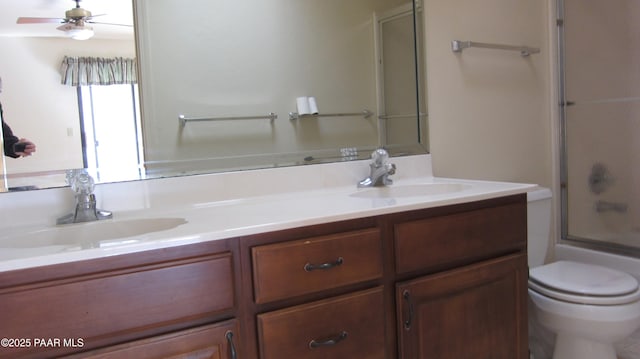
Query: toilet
x=588 y=307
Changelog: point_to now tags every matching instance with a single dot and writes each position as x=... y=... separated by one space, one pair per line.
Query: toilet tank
x=538 y=225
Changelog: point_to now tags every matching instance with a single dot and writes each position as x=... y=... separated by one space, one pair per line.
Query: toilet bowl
x=588 y=307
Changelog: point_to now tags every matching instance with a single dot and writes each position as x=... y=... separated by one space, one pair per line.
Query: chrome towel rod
x=182 y=119
x=458 y=46
x=391 y=117
x=295 y=116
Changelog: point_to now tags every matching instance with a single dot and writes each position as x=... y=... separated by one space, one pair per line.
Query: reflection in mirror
x=35 y=103
x=199 y=63
x=227 y=61
x=401 y=97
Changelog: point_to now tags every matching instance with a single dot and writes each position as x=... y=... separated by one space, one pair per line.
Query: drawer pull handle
x=232 y=347
x=407 y=297
x=329 y=342
x=311 y=267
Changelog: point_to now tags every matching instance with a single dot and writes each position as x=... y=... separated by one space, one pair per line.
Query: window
x=111 y=139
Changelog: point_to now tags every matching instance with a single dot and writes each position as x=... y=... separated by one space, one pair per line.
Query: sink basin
x=410 y=190
x=81 y=235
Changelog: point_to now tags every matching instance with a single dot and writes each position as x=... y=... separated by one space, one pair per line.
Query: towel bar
x=458 y=46
x=182 y=119
x=365 y=113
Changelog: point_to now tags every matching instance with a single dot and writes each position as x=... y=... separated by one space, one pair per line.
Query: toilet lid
x=584 y=279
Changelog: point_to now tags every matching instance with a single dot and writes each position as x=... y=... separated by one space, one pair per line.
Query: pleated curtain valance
x=84 y=71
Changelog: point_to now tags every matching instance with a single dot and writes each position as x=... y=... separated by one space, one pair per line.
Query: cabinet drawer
x=102 y=308
x=284 y=270
x=350 y=326
x=217 y=341
x=456 y=239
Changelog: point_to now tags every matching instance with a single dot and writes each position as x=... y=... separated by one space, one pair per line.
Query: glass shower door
x=600 y=61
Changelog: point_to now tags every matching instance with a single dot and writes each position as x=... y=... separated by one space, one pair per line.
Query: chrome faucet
x=82 y=184
x=380 y=170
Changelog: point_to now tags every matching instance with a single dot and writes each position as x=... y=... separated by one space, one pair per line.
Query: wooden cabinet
x=478 y=311
x=299 y=309
x=463 y=289
x=453 y=285
x=446 y=282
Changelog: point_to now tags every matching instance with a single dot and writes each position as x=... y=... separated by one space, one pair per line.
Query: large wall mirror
x=221 y=86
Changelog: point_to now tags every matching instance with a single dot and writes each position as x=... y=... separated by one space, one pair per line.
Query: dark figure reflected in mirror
x=13 y=146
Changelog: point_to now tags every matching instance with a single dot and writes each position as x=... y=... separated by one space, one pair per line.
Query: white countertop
x=206 y=217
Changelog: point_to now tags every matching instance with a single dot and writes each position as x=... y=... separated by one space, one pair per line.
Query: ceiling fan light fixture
x=77 y=32
x=84 y=33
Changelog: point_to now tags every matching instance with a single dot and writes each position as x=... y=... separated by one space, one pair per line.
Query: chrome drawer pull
x=232 y=347
x=329 y=342
x=311 y=267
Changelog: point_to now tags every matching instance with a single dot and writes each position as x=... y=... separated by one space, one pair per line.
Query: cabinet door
x=478 y=311
x=216 y=341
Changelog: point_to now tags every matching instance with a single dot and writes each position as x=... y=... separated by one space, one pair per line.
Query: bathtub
x=628 y=237
x=630 y=265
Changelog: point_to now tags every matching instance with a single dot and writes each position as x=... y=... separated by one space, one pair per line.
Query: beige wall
x=37 y=106
x=489 y=110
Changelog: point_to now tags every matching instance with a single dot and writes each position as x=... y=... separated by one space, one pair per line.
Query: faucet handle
x=380 y=156
x=82 y=183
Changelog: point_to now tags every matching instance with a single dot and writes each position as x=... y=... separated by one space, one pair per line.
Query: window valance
x=83 y=71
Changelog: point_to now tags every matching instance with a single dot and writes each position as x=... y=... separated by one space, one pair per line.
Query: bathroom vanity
x=381 y=273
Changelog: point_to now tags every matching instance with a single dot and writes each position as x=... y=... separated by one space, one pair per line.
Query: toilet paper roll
x=313 y=106
x=302 y=104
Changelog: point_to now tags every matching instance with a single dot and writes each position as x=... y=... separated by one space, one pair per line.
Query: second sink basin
x=410 y=190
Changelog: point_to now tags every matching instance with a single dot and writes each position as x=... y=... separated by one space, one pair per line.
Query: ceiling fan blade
x=38 y=20
x=107 y=23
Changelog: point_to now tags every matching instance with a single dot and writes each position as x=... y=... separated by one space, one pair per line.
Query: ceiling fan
x=74 y=23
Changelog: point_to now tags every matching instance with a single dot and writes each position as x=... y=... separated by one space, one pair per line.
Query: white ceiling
x=115 y=11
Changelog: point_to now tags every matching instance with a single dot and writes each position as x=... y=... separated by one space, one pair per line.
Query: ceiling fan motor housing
x=77 y=13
